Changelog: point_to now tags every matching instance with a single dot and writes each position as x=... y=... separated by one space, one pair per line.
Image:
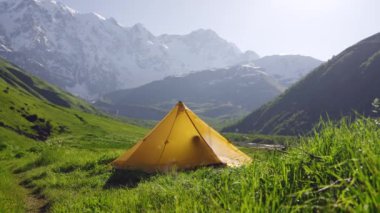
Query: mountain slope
x=38 y=110
x=89 y=55
x=223 y=93
x=346 y=83
x=288 y=69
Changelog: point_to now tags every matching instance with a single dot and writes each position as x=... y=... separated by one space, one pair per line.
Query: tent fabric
x=181 y=140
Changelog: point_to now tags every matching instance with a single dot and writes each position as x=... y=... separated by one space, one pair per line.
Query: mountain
x=216 y=93
x=288 y=69
x=38 y=110
x=197 y=50
x=346 y=84
x=90 y=55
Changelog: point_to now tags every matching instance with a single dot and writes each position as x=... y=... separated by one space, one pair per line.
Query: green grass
x=335 y=170
x=12 y=196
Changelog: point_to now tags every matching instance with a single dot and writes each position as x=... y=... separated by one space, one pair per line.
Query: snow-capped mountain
x=90 y=55
x=197 y=50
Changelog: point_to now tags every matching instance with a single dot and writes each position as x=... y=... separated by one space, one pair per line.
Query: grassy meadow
x=337 y=169
x=55 y=151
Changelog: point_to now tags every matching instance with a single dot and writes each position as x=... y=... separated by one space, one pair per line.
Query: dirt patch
x=35 y=201
x=36 y=204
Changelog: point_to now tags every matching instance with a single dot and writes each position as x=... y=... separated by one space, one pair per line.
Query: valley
x=70 y=169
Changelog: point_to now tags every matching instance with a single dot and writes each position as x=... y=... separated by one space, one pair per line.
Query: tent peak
x=181 y=104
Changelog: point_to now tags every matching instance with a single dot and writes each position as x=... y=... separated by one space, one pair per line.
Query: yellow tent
x=182 y=141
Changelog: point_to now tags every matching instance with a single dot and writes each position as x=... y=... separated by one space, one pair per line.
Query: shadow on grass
x=126 y=178
x=130 y=179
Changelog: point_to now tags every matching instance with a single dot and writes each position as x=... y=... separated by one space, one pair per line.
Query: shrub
x=19 y=155
x=47 y=157
x=35 y=149
x=2 y=146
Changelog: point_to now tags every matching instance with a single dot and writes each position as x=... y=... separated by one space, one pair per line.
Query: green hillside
x=346 y=84
x=37 y=110
x=40 y=123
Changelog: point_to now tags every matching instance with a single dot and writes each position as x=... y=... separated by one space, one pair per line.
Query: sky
x=317 y=28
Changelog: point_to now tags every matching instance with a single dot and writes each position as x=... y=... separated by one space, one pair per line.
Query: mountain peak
x=204 y=32
x=250 y=55
x=113 y=21
x=139 y=31
x=47 y=5
x=54 y=5
x=45 y=1
x=138 y=27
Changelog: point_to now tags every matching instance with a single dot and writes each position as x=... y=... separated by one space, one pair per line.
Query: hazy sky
x=318 y=28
